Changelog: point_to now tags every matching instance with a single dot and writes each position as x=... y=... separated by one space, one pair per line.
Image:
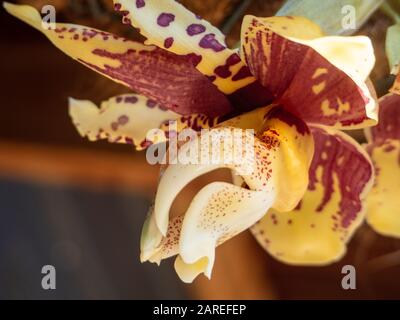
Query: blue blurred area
x=92 y=239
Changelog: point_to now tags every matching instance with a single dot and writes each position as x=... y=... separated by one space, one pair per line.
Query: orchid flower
x=384 y=148
x=292 y=85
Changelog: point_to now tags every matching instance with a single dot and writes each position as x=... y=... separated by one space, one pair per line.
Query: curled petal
x=295 y=146
x=217 y=213
x=169 y=25
x=130 y=118
x=169 y=79
x=317 y=230
x=273 y=164
x=319 y=79
x=383 y=213
x=282 y=149
x=153 y=246
x=388 y=126
x=150 y=238
x=187 y=272
x=383 y=205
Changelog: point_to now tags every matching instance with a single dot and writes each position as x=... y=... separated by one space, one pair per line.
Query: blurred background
x=80 y=206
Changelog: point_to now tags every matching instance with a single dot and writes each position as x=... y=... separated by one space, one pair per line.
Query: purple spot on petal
x=140 y=4
x=151 y=103
x=131 y=99
x=224 y=70
x=122 y=120
x=195 y=59
x=243 y=73
x=212 y=78
x=126 y=20
x=209 y=42
x=146 y=144
x=194 y=29
x=168 y=42
x=164 y=19
x=114 y=126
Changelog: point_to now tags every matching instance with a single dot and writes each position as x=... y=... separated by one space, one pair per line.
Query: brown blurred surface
x=39 y=143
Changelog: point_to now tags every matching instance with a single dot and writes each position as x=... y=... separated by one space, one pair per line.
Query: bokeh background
x=80 y=206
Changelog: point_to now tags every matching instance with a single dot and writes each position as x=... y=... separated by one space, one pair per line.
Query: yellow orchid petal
x=154 y=247
x=169 y=79
x=129 y=118
x=150 y=238
x=389 y=120
x=217 y=213
x=383 y=203
x=317 y=230
x=383 y=213
x=167 y=24
x=288 y=152
x=319 y=79
x=187 y=272
x=281 y=151
x=122 y=119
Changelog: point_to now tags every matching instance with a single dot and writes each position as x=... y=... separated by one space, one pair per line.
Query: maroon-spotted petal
x=388 y=126
x=169 y=25
x=308 y=74
x=317 y=230
x=167 y=78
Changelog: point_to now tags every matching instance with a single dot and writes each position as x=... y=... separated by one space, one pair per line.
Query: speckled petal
x=129 y=118
x=317 y=230
x=162 y=20
x=383 y=213
x=169 y=79
x=388 y=126
x=169 y=25
x=281 y=151
x=319 y=79
x=154 y=247
x=217 y=213
x=383 y=205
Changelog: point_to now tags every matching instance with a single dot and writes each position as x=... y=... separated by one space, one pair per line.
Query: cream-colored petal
x=273 y=164
x=217 y=213
x=132 y=119
x=122 y=119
